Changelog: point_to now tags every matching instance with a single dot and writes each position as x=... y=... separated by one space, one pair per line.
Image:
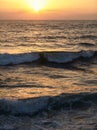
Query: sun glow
x=36 y=5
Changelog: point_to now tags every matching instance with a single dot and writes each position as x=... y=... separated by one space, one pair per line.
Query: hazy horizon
x=48 y=10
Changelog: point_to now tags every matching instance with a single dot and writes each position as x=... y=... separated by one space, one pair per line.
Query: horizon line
x=48 y=19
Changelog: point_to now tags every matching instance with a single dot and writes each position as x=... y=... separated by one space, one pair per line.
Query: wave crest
x=56 y=57
x=33 y=106
x=6 y=59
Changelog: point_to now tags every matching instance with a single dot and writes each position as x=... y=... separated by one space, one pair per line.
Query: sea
x=48 y=75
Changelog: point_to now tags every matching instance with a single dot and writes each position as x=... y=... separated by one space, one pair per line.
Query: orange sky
x=48 y=9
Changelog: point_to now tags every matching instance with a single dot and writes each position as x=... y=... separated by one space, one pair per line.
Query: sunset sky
x=48 y=9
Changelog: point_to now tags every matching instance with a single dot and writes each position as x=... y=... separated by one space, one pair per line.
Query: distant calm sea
x=45 y=65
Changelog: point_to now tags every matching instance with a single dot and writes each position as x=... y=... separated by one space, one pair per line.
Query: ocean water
x=48 y=75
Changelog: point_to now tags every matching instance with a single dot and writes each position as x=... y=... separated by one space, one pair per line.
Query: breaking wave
x=6 y=59
x=33 y=106
x=56 y=57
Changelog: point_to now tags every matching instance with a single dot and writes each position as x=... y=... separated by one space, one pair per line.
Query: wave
x=34 y=106
x=6 y=59
x=88 y=36
x=56 y=57
x=87 y=44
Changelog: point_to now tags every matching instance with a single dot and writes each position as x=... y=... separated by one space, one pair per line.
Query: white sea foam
x=6 y=59
x=34 y=106
x=87 y=53
x=65 y=57
x=57 y=57
x=22 y=107
x=62 y=57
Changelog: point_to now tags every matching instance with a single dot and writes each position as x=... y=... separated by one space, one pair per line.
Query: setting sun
x=48 y=9
x=36 y=5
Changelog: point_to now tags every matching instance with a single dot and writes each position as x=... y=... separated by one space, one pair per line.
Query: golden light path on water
x=46 y=82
